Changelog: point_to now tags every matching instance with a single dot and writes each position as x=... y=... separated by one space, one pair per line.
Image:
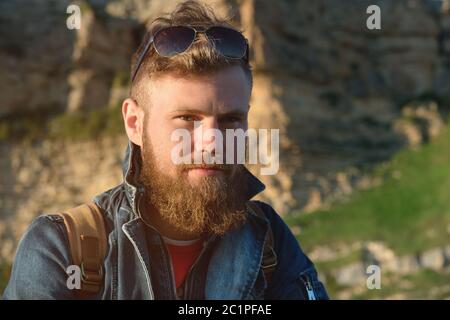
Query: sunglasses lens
x=173 y=40
x=228 y=42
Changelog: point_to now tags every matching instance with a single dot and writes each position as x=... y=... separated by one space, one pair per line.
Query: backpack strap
x=87 y=240
x=269 y=259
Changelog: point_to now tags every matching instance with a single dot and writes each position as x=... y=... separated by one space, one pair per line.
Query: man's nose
x=209 y=126
x=206 y=135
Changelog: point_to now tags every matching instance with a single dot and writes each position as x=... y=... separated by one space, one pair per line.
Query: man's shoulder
x=50 y=227
x=45 y=226
x=282 y=234
x=42 y=251
x=272 y=216
x=46 y=233
x=294 y=268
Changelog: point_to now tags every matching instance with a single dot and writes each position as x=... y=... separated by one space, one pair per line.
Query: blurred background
x=363 y=116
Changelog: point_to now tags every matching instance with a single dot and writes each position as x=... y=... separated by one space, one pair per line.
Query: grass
x=80 y=125
x=340 y=261
x=5 y=271
x=426 y=284
x=410 y=211
x=87 y=125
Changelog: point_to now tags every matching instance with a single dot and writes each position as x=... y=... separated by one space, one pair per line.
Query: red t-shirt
x=183 y=257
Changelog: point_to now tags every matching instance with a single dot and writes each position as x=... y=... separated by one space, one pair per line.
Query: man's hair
x=200 y=59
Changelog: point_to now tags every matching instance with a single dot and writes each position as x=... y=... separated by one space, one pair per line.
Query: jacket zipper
x=147 y=276
x=172 y=273
x=189 y=278
x=165 y=252
x=308 y=287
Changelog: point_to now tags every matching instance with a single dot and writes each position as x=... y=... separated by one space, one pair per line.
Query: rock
x=99 y=59
x=329 y=253
x=433 y=259
x=314 y=202
x=406 y=264
x=375 y=252
x=322 y=253
x=446 y=251
x=351 y=275
x=410 y=131
x=421 y=122
x=64 y=174
x=35 y=56
x=438 y=6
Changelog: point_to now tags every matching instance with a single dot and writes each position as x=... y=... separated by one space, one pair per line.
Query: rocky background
x=345 y=98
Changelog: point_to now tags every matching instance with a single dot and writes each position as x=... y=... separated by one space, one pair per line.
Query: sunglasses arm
x=141 y=58
x=247 y=53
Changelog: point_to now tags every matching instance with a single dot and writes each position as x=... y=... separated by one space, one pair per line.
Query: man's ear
x=133 y=117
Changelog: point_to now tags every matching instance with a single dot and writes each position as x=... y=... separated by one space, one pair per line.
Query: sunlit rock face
x=343 y=97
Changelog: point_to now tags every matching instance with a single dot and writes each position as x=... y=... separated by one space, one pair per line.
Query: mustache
x=223 y=167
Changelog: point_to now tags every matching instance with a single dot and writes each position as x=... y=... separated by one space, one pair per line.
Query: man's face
x=217 y=101
x=195 y=198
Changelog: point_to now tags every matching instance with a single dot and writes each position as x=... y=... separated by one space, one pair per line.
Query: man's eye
x=231 y=119
x=189 y=118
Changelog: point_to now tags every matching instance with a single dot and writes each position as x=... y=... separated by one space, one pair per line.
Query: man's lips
x=205 y=170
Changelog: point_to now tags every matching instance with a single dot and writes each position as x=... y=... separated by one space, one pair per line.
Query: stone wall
x=48 y=177
x=344 y=97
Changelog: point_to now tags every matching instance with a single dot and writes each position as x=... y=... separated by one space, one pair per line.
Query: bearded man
x=178 y=230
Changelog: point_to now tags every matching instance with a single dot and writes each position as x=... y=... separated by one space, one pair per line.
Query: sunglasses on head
x=173 y=40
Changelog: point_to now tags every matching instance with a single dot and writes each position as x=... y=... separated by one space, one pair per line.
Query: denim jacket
x=233 y=270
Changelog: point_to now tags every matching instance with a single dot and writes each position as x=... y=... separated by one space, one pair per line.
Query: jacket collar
x=133 y=189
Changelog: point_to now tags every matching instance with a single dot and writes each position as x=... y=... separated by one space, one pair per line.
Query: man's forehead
x=211 y=109
x=200 y=94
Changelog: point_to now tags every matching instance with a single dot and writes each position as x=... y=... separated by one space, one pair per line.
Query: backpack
x=88 y=245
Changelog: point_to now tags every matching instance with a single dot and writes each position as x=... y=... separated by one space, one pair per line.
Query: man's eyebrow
x=236 y=112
